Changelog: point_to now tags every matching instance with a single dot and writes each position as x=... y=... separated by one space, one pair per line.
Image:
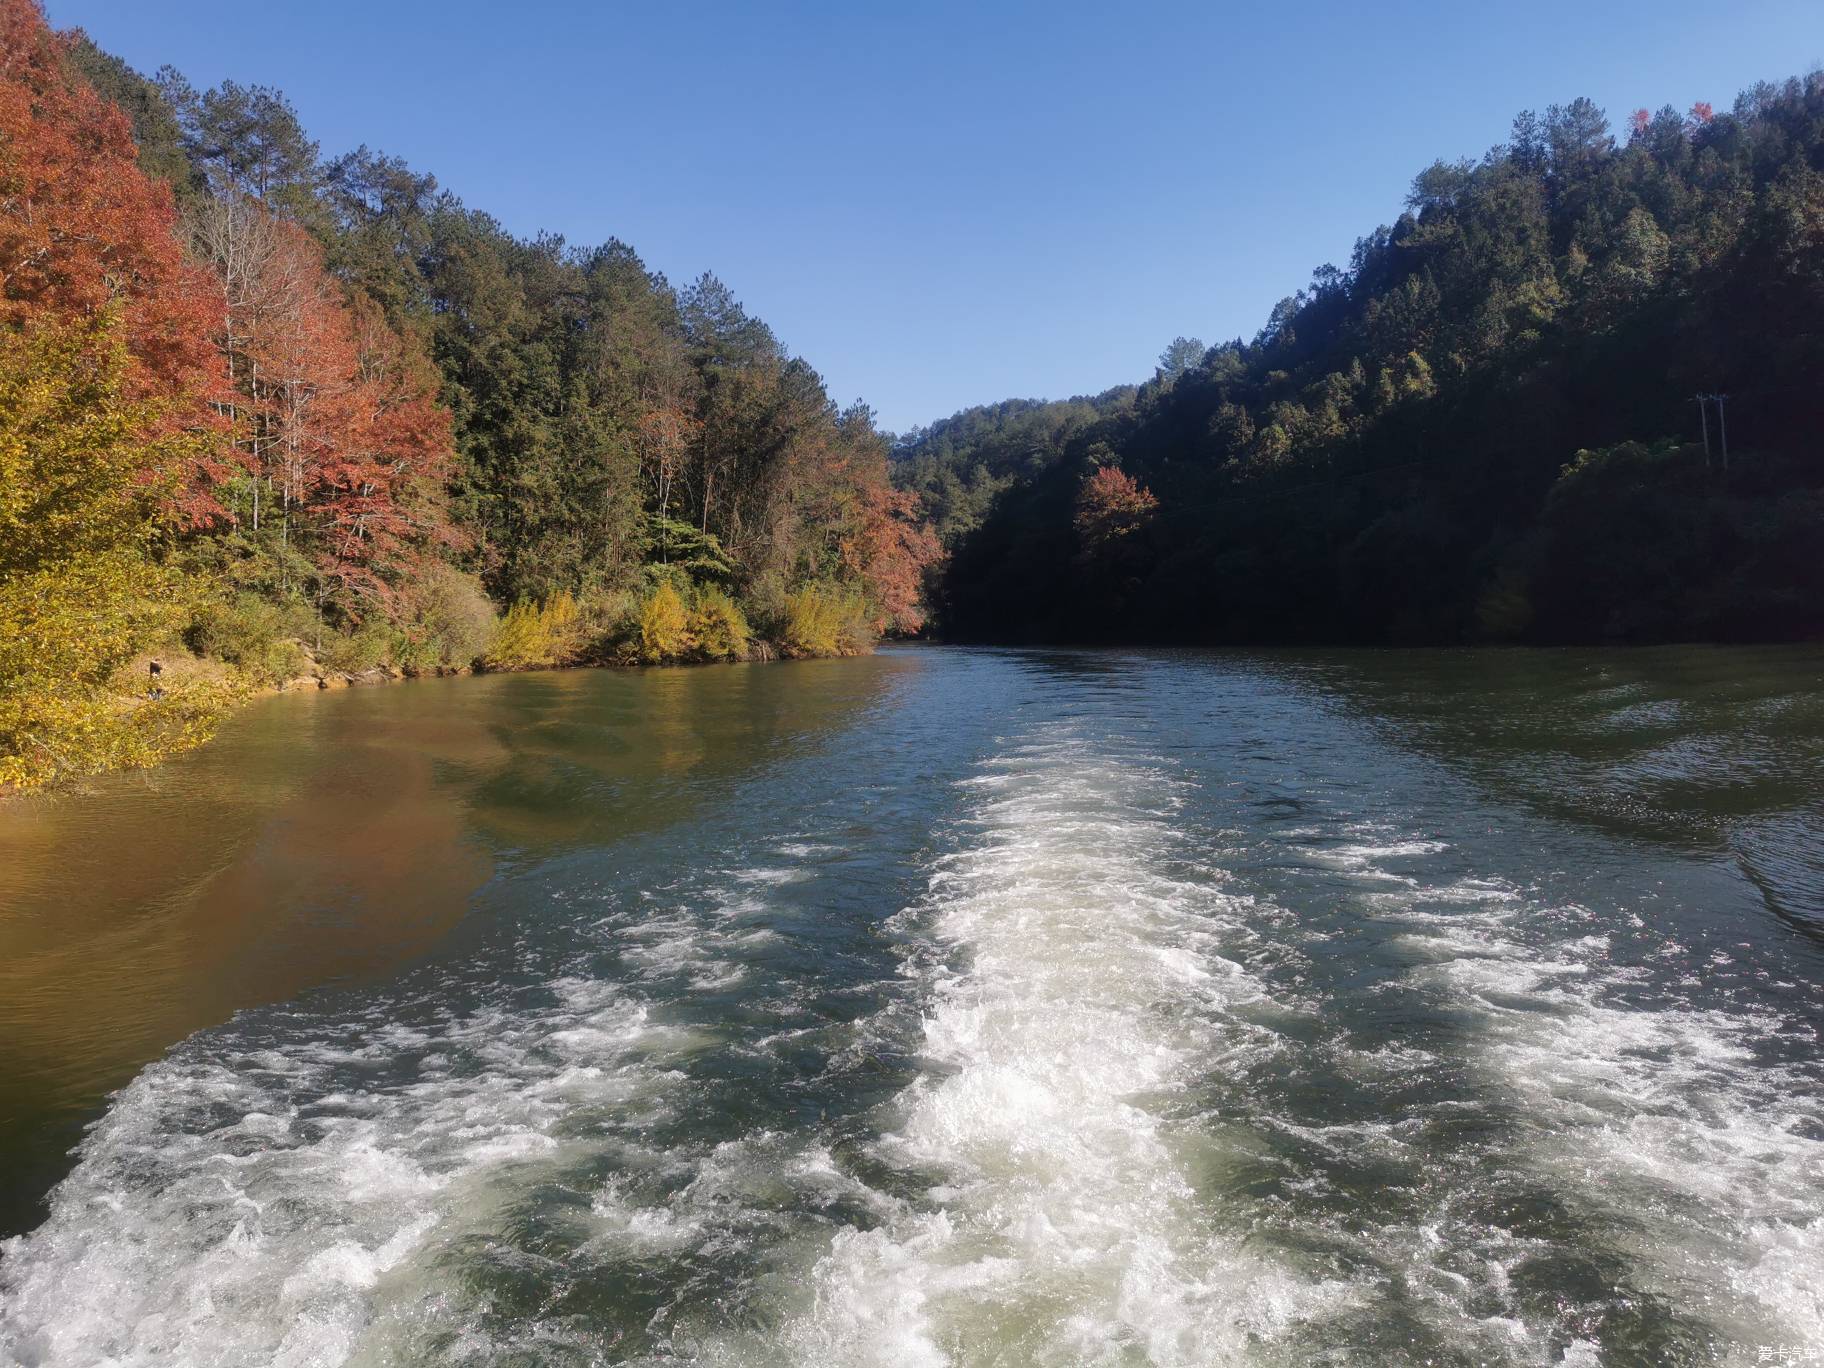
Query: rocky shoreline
x=375 y=674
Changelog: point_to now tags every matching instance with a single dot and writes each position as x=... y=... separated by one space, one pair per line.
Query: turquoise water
x=943 y=1007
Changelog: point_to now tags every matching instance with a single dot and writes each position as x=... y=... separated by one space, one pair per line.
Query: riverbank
x=172 y=701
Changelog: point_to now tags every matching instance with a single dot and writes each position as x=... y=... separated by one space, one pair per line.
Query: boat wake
x=1050 y=1215
x=1118 y=1087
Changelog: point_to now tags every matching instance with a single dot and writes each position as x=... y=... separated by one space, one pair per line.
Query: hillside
x=1484 y=428
x=266 y=412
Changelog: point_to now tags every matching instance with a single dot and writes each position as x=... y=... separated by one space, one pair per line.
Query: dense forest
x=1573 y=394
x=270 y=415
x=267 y=415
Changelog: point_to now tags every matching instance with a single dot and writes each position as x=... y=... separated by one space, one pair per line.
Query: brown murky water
x=326 y=838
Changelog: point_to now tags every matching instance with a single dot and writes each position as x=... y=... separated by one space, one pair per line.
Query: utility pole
x=1703 y=417
x=1722 y=425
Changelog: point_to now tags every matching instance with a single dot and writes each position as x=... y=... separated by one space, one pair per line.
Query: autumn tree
x=1112 y=508
x=83 y=229
x=884 y=546
x=898 y=548
x=84 y=586
x=335 y=417
x=667 y=435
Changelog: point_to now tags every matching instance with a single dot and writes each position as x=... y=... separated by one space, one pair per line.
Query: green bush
x=369 y=645
x=239 y=630
x=451 y=623
x=606 y=621
x=254 y=634
x=282 y=660
x=1505 y=610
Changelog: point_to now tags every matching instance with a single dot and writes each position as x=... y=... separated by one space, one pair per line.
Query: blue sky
x=949 y=203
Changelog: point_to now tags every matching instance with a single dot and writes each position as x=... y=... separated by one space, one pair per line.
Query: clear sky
x=946 y=204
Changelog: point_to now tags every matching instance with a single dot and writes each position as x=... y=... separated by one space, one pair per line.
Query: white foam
x=1058 y=1225
x=1707 y=1162
x=1362 y=857
x=213 y=1220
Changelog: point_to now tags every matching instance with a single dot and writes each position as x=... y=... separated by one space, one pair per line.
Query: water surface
x=943 y=1007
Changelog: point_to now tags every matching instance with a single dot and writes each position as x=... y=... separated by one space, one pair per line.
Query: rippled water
x=947 y=1007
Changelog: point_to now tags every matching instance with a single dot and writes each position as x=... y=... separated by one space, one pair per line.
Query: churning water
x=945 y=1008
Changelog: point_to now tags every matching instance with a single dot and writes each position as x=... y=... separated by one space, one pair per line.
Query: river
x=944 y=1007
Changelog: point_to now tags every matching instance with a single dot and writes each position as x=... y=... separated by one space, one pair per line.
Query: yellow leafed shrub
x=718 y=627
x=452 y=624
x=535 y=634
x=82 y=589
x=664 y=625
x=825 y=620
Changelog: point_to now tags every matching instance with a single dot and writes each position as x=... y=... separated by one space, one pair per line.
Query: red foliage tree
x=1111 y=507
x=384 y=502
x=895 y=551
x=83 y=229
x=344 y=426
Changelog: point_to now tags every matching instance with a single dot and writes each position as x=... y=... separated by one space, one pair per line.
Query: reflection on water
x=1702 y=747
x=330 y=837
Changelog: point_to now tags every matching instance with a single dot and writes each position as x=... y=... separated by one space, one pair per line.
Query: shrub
x=519 y=638
x=282 y=659
x=536 y=634
x=1504 y=611
x=718 y=626
x=606 y=621
x=664 y=625
x=452 y=622
x=824 y=620
x=369 y=645
x=254 y=634
x=559 y=617
x=239 y=629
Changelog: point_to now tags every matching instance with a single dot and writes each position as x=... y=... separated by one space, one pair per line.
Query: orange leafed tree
x=882 y=544
x=896 y=550
x=343 y=424
x=666 y=435
x=1111 y=507
x=383 y=501
x=82 y=229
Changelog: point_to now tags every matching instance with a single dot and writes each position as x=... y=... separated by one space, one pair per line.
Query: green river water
x=943 y=1007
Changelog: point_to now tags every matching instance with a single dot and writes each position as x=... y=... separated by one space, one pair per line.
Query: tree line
x=1573 y=394
x=265 y=412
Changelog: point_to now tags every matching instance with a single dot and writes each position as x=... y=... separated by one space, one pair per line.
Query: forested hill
x=1485 y=428
x=266 y=412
